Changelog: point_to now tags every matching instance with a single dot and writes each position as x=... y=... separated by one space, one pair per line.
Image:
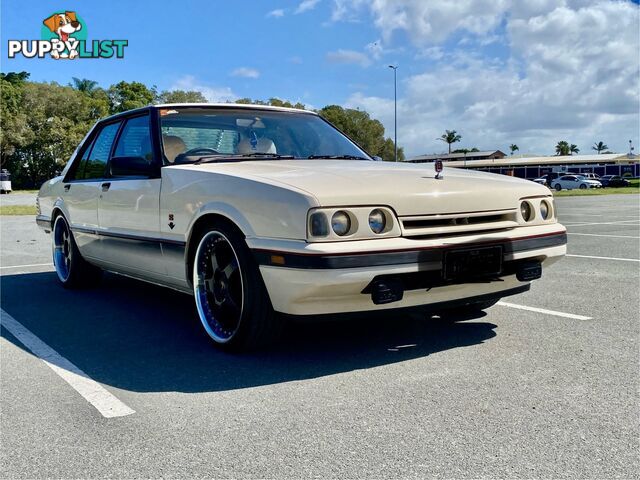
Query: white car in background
x=261 y=211
x=570 y=182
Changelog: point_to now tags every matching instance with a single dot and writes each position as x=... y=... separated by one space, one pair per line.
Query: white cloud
x=211 y=93
x=277 y=13
x=571 y=72
x=245 y=72
x=349 y=57
x=306 y=5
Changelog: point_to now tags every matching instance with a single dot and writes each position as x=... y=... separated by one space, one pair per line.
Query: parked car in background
x=5 y=181
x=570 y=182
x=261 y=211
x=590 y=176
x=614 y=181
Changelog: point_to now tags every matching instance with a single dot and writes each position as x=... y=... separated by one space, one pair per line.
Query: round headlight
x=526 y=211
x=544 y=210
x=377 y=220
x=341 y=223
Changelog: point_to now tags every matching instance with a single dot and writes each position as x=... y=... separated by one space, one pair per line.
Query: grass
x=18 y=210
x=634 y=187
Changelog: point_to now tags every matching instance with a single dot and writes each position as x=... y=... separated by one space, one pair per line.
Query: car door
x=82 y=189
x=129 y=202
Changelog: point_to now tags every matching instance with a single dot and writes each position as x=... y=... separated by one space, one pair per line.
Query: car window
x=135 y=139
x=94 y=162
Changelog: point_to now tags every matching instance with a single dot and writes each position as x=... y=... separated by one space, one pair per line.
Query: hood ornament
x=439 y=167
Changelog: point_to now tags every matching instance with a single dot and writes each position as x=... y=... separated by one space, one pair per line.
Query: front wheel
x=583 y=187
x=558 y=187
x=73 y=271
x=231 y=299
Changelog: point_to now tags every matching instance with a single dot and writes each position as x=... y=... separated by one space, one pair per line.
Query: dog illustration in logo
x=63 y=25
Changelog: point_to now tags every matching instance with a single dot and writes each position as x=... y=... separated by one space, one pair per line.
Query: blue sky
x=497 y=71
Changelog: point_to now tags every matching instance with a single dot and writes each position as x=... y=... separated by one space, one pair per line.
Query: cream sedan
x=261 y=213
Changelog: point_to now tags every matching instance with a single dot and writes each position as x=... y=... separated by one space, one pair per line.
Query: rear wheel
x=558 y=187
x=583 y=187
x=231 y=299
x=73 y=271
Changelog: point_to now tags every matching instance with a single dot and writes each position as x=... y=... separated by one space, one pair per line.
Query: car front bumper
x=327 y=278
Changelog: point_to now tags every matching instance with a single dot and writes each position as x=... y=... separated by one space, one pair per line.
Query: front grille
x=458 y=223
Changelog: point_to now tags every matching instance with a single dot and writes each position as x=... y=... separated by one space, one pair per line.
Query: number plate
x=472 y=263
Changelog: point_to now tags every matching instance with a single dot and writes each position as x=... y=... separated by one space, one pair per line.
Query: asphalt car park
x=120 y=381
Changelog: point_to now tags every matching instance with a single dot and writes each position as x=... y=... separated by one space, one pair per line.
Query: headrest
x=173 y=146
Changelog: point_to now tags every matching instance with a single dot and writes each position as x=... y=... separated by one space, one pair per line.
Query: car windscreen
x=189 y=133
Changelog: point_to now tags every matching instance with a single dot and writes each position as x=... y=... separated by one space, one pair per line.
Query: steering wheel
x=194 y=151
x=199 y=151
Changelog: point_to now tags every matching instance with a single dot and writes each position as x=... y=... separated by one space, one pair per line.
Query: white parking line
x=600 y=235
x=27 y=266
x=606 y=258
x=94 y=393
x=543 y=310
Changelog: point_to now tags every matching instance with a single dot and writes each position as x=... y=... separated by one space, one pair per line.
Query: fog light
x=526 y=211
x=341 y=223
x=377 y=221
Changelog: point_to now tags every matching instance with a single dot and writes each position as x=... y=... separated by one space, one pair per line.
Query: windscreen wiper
x=336 y=157
x=235 y=157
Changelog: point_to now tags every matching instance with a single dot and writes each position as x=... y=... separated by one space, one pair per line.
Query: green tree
x=182 y=96
x=450 y=137
x=365 y=131
x=274 y=102
x=599 y=147
x=573 y=148
x=15 y=77
x=513 y=147
x=84 y=85
x=125 y=96
x=563 y=148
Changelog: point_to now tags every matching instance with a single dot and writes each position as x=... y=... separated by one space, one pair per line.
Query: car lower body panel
x=330 y=278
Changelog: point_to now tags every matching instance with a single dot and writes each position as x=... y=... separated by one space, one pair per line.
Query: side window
x=94 y=165
x=135 y=139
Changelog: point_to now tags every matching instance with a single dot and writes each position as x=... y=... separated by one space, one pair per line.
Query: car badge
x=439 y=167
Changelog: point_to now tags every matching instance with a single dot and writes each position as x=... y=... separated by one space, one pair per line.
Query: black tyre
x=73 y=270
x=231 y=299
x=558 y=187
x=583 y=187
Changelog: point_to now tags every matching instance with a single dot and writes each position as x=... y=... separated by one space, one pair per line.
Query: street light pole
x=395 y=110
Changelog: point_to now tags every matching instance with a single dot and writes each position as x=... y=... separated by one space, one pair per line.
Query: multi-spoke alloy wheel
x=73 y=270
x=218 y=286
x=62 y=248
x=231 y=298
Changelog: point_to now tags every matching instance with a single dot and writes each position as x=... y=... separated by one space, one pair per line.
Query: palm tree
x=513 y=147
x=599 y=147
x=449 y=137
x=562 y=148
x=84 y=85
x=573 y=149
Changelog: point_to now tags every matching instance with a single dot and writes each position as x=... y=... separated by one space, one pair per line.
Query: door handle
x=105 y=186
x=67 y=187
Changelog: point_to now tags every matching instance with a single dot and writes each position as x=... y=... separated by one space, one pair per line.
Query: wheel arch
x=199 y=226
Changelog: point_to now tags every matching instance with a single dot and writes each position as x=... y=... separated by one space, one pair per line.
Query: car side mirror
x=377 y=158
x=131 y=167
